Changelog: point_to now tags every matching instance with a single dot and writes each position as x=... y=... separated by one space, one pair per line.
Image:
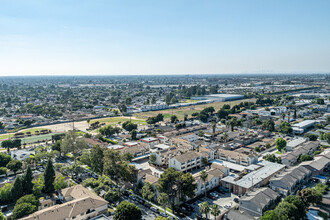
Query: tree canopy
x=127 y=211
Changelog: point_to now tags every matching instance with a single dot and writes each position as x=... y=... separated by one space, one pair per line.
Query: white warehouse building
x=219 y=97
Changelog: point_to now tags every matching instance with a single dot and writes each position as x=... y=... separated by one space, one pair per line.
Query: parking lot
x=224 y=201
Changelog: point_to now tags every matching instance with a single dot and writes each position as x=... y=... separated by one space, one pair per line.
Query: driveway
x=224 y=201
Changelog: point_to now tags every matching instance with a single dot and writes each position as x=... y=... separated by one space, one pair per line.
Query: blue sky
x=43 y=37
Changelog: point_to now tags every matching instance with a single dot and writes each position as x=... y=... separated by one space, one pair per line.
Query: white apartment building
x=186 y=161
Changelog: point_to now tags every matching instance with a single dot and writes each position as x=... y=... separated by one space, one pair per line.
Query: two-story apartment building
x=151 y=141
x=236 y=157
x=214 y=176
x=242 y=183
x=163 y=156
x=290 y=158
x=258 y=201
x=289 y=181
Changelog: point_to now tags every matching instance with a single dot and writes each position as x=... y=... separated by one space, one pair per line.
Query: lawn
x=36 y=138
x=9 y=135
x=119 y=120
x=180 y=112
x=188 y=101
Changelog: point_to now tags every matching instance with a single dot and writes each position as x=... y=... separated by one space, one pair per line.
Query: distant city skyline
x=105 y=37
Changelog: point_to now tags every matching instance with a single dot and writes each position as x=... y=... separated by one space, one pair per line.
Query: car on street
x=163 y=214
x=154 y=209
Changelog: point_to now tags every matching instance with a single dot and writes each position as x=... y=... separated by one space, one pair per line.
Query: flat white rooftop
x=230 y=165
x=304 y=124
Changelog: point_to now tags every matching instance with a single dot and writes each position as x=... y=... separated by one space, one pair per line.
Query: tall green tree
x=112 y=163
x=176 y=185
x=96 y=158
x=4 y=159
x=27 y=181
x=163 y=200
x=14 y=165
x=270 y=215
x=3 y=170
x=296 y=201
x=133 y=134
x=280 y=144
x=73 y=144
x=17 y=190
x=38 y=185
x=113 y=195
x=127 y=211
x=152 y=158
x=49 y=177
x=148 y=191
x=60 y=183
x=28 y=199
x=205 y=209
x=204 y=176
x=309 y=196
x=6 y=193
x=287 y=210
x=174 y=118
x=23 y=209
x=129 y=126
x=215 y=211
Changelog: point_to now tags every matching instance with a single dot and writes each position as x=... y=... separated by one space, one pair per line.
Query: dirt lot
x=63 y=127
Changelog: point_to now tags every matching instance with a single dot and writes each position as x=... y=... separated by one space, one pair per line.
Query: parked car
x=4 y=208
x=236 y=200
x=154 y=209
x=163 y=214
x=211 y=197
x=147 y=204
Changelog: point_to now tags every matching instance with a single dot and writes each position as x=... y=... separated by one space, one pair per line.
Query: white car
x=163 y=214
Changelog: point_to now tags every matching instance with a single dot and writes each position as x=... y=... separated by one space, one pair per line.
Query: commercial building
x=301 y=127
x=295 y=143
x=219 y=97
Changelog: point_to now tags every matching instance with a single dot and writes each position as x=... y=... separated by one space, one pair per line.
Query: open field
x=120 y=120
x=180 y=112
x=188 y=101
x=9 y=135
x=33 y=139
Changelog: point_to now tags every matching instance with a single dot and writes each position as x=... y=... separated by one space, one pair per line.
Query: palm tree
x=215 y=211
x=204 y=177
x=205 y=208
x=232 y=123
x=163 y=200
x=214 y=126
x=224 y=137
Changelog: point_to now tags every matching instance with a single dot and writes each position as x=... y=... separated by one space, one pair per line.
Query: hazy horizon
x=185 y=37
